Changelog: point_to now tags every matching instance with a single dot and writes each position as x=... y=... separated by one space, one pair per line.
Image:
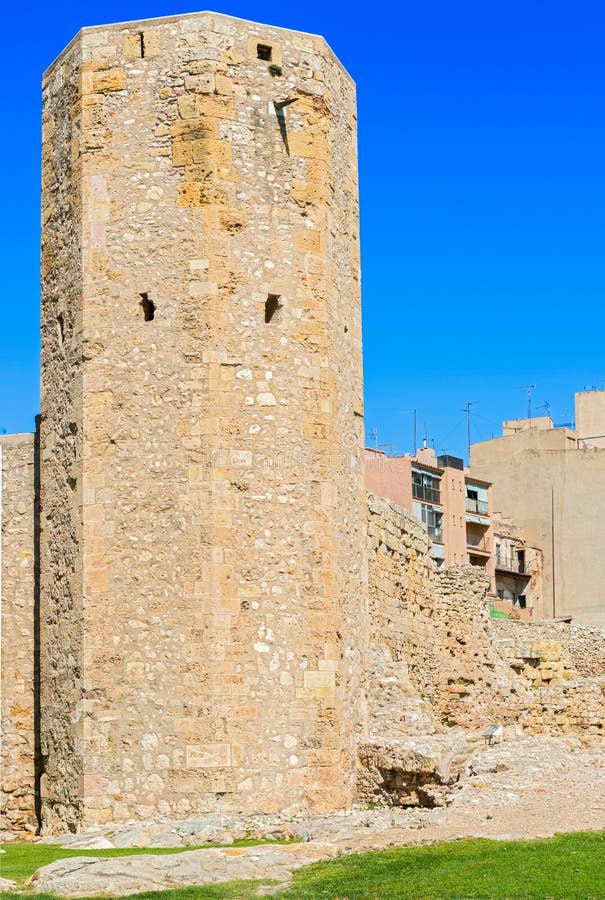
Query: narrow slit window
x=61 y=329
x=148 y=308
x=263 y=51
x=142 y=40
x=272 y=306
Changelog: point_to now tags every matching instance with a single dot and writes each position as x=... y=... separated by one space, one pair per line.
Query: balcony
x=429 y=494
x=435 y=533
x=511 y=564
x=477 y=506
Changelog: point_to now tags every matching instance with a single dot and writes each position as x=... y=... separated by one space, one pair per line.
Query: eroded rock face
x=412 y=771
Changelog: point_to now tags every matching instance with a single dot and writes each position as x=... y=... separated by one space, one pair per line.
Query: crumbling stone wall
x=17 y=589
x=204 y=555
x=437 y=642
x=436 y=621
x=574 y=707
x=582 y=649
x=540 y=661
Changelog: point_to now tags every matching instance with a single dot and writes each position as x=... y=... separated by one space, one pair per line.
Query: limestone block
x=109 y=80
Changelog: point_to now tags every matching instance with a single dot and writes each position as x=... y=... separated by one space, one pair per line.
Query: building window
x=432 y=518
x=425 y=486
x=476 y=499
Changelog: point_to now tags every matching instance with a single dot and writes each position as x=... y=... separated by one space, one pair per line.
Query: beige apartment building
x=518 y=568
x=551 y=482
x=454 y=505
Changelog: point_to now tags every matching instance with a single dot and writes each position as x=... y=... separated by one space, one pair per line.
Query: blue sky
x=482 y=182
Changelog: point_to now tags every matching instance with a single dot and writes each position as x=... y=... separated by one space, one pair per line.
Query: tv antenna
x=374 y=437
x=467 y=410
x=547 y=406
x=529 y=388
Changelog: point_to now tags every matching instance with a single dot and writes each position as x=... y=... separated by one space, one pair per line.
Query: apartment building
x=454 y=505
x=551 y=483
x=518 y=571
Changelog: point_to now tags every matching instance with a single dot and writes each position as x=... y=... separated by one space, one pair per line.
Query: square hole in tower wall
x=263 y=51
x=148 y=307
x=272 y=307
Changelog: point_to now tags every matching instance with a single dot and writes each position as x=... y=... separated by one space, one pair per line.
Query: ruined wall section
x=576 y=706
x=61 y=484
x=582 y=649
x=435 y=621
x=223 y=510
x=436 y=642
x=17 y=603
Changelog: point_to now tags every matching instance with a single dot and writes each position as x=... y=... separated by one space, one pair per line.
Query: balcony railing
x=511 y=564
x=431 y=495
x=477 y=506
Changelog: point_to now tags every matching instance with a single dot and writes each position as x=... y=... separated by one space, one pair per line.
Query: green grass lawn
x=569 y=867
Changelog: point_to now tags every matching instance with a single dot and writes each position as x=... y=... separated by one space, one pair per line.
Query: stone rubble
x=83 y=876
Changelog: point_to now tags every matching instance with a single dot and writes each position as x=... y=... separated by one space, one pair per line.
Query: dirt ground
x=526 y=788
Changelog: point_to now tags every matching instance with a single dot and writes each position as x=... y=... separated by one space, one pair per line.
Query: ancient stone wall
x=18 y=613
x=65 y=109
x=436 y=643
x=574 y=707
x=204 y=557
x=582 y=649
x=436 y=621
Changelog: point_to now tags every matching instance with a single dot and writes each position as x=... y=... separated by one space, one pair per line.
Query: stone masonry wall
x=436 y=621
x=582 y=649
x=204 y=557
x=436 y=639
x=61 y=481
x=17 y=596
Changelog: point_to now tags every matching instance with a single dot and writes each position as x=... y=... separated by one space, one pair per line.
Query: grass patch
x=567 y=867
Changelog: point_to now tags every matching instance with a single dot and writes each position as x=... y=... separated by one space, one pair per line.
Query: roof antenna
x=529 y=388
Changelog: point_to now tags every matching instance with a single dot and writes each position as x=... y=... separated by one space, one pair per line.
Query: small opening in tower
x=263 y=51
x=61 y=328
x=142 y=40
x=272 y=306
x=148 y=308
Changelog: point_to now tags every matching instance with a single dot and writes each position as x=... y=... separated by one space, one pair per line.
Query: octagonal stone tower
x=203 y=570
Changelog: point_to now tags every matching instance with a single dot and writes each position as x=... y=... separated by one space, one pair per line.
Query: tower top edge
x=164 y=20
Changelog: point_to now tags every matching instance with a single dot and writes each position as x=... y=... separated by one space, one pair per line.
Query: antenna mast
x=529 y=388
x=467 y=410
x=414 y=447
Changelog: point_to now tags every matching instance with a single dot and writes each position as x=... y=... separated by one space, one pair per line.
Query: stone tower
x=203 y=570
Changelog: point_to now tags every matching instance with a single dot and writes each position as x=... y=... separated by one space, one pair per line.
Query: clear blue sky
x=482 y=179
